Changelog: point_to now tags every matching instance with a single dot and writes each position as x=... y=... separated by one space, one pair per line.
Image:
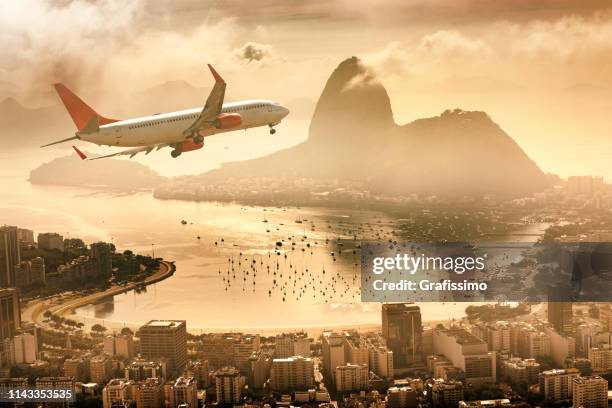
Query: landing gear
x=198 y=140
x=175 y=153
x=272 y=131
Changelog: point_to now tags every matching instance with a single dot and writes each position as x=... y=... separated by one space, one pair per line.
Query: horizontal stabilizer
x=62 y=141
x=80 y=153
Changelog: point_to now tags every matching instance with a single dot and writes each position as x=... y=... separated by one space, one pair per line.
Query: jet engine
x=228 y=121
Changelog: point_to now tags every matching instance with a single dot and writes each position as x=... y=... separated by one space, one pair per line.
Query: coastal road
x=63 y=305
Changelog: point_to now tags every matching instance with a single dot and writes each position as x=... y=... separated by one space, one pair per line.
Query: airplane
x=183 y=130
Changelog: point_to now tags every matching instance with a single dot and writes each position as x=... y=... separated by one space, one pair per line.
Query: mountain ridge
x=353 y=137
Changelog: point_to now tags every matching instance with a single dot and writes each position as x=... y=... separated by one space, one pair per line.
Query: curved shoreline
x=67 y=307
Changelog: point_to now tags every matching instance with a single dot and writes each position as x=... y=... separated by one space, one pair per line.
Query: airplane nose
x=285 y=111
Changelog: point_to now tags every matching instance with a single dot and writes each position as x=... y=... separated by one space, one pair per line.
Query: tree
x=98 y=328
x=546 y=362
x=127 y=331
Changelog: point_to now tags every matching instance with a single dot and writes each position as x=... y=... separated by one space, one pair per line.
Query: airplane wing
x=212 y=107
x=129 y=152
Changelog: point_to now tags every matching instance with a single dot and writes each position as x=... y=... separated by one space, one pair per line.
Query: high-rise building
x=102 y=253
x=51 y=240
x=521 y=371
x=332 y=345
x=81 y=269
x=585 y=184
x=445 y=393
x=292 y=373
x=600 y=358
x=183 y=392
x=149 y=393
x=12 y=384
x=165 y=338
x=116 y=393
x=140 y=369
x=590 y=392
x=355 y=349
x=25 y=236
x=261 y=364
x=562 y=346
x=228 y=386
x=582 y=364
x=587 y=335
x=100 y=369
x=380 y=360
x=121 y=345
x=37 y=270
x=468 y=353
x=291 y=344
x=10 y=313
x=556 y=385
x=75 y=368
x=10 y=255
x=427 y=340
x=55 y=383
x=436 y=364
x=401 y=397
x=22 y=348
x=199 y=370
x=402 y=330
x=241 y=352
x=560 y=316
x=497 y=336
x=23 y=272
x=531 y=342
x=351 y=377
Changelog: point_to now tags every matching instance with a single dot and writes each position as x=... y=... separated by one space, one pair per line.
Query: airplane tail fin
x=79 y=111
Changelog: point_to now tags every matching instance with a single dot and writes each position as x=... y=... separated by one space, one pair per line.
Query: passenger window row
x=178 y=119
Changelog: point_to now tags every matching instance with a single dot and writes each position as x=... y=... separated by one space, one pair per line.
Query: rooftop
x=164 y=323
x=462 y=336
x=580 y=380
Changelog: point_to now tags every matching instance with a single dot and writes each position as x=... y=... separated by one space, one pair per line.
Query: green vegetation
x=98 y=330
x=493 y=313
x=483 y=392
x=59 y=339
x=127 y=267
x=54 y=257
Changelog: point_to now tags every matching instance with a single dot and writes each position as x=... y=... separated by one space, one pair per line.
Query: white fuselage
x=169 y=127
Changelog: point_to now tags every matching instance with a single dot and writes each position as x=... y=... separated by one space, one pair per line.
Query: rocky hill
x=353 y=137
x=107 y=173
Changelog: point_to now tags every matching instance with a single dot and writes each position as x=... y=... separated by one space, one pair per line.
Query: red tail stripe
x=79 y=111
x=80 y=153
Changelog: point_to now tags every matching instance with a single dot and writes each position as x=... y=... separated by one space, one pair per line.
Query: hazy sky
x=541 y=69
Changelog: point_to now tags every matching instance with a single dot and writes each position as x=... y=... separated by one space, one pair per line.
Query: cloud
x=255 y=52
x=572 y=48
x=104 y=44
x=42 y=43
x=447 y=44
x=393 y=59
x=358 y=81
